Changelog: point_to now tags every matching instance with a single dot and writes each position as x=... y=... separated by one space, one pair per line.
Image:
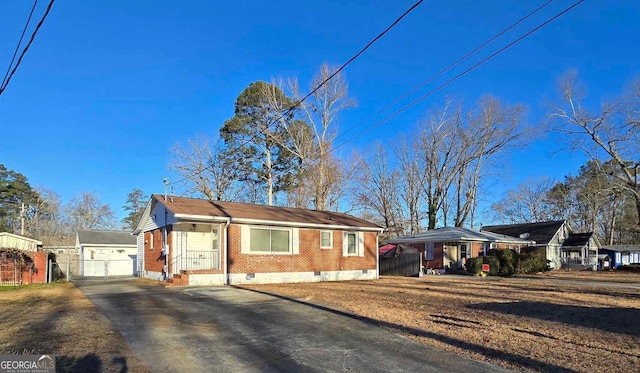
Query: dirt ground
x=561 y=321
x=58 y=319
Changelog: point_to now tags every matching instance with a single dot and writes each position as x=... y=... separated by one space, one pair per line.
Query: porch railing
x=193 y=260
x=579 y=261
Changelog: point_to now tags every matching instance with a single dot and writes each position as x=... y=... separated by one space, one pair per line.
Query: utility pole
x=22 y=219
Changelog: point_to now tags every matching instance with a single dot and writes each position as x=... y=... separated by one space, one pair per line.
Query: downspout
x=378 y=253
x=225 y=278
x=165 y=248
x=377 y=256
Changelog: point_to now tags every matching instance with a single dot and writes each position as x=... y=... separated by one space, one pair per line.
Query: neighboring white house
x=106 y=253
x=15 y=241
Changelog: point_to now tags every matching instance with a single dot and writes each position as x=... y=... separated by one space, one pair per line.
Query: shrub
x=508 y=259
x=635 y=267
x=474 y=265
x=532 y=260
x=494 y=264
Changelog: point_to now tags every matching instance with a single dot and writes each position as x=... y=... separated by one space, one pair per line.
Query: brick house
x=190 y=241
x=450 y=247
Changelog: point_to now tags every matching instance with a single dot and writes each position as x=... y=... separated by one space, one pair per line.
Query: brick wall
x=34 y=273
x=39 y=275
x=153 y=258
x=311 y=258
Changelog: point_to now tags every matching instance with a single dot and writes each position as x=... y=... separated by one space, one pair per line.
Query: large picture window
x=265 y=240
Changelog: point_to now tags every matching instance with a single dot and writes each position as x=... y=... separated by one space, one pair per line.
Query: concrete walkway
x=225 y=329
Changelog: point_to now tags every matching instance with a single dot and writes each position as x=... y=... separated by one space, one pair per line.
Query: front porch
x=195 y=254
x=579 y=259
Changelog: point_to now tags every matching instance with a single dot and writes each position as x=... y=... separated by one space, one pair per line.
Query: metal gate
x=97 y=268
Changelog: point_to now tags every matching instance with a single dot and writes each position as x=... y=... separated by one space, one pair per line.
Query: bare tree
x=439 y=153
x=86 y=211
x=489 y=130
x=410 y=180
x=613 y=130
x=321 y=112
x=458 y=147
x=46 y=215
x=529 y=202
x=376 y=190
x=204 y=170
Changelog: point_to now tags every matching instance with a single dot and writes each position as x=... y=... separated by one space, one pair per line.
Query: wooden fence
x=407 y=264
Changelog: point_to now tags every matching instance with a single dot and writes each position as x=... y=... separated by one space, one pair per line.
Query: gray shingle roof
x=541 y=232
x=95 y=237
x=455 y=234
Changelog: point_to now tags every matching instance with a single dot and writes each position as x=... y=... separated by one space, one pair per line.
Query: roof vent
x=525 y=235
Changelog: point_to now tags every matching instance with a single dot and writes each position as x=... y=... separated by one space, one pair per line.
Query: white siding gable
x=160 y=216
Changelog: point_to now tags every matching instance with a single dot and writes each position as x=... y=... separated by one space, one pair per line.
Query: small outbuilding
x=106 y=253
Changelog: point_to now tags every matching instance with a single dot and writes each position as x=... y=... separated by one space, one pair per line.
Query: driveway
x=225 y=329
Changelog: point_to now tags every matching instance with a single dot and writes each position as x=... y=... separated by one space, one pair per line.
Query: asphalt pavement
x=226 y=329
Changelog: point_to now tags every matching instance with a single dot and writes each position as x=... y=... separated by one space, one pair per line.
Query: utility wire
x=379 y=123
x=452 y=65
x=26 y=48
x=15 y=53
x=384 y=120
x=289 y=110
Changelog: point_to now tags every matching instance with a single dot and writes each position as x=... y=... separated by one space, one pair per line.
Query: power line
x=384 y=120
x=26 y=48
x=452 y=65
x=379 y=123
x=289 y=110
x=15 y=53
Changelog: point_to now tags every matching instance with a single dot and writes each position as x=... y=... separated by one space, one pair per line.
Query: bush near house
x=532 y=260
x=507 y=262
x=474 y=265
x=635 y=267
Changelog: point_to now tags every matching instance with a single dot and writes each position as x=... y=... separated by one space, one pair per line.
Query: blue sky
x=109 y=87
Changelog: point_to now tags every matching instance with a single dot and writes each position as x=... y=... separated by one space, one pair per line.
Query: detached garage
x=106 y=253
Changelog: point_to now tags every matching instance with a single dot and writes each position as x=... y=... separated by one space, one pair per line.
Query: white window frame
x=429 y=251
x=294 y=240
x=359 y=244
x=330 y=240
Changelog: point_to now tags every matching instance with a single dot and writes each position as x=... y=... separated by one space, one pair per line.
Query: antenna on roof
x=165 y=181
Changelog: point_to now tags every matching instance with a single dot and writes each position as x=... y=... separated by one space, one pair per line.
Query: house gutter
x=276 y=223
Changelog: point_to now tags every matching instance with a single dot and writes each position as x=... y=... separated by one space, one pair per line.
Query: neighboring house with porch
x=621 y=254
x=450 y=247
x=104 y=253
x=563 y=248
x=191 y=241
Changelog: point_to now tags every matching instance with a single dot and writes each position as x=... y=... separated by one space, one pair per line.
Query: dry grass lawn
x=558 y=322
x=58 y=319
